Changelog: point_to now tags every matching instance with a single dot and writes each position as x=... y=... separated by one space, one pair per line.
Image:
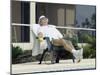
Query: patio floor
x=64 y=65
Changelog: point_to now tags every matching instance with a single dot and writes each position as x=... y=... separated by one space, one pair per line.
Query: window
x=20 y=15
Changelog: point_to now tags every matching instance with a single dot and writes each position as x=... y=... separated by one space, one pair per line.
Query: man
x=57 y=38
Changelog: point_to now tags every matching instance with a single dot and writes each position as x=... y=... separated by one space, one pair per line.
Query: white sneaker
x=78 y=55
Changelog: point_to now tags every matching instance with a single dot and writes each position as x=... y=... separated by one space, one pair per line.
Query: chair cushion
x=56 y=48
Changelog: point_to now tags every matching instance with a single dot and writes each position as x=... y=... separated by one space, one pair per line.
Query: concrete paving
x=64 y=65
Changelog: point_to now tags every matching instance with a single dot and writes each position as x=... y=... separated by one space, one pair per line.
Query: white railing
x=61 y=27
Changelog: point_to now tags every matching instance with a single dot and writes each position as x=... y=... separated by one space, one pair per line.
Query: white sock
x=73 y=50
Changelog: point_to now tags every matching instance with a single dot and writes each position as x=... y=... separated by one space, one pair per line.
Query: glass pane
x=25 y=12
x=20 y=34
x=20 y=12
x=16 y=12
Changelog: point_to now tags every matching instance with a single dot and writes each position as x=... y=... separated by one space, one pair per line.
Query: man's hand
x=40 y=36
x=41 y=39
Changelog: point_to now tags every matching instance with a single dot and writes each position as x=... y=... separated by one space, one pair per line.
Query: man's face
x=44 y=21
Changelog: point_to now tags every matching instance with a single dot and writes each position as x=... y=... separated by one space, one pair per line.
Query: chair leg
x=57 y=60
x=57 y=57
x=42 y=56
x=73 y=59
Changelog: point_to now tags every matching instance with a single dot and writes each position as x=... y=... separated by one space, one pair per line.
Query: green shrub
x=89 y=52
x=16 y=51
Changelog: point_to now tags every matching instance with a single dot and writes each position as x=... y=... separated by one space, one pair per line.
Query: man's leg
x=70 y=43
x=61 y=42
x=69 y=47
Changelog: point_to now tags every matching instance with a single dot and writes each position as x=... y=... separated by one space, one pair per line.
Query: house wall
x=16 y=8
x=16 y=18
x=60 y=15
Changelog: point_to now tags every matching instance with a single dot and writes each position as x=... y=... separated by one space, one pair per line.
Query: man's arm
x=40 y=36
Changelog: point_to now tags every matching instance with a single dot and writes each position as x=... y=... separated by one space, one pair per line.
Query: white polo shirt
x=50 y=31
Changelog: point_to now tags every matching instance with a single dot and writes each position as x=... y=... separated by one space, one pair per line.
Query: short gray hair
x=42 y=18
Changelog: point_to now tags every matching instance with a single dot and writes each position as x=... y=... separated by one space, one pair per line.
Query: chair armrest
x=49 y=44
